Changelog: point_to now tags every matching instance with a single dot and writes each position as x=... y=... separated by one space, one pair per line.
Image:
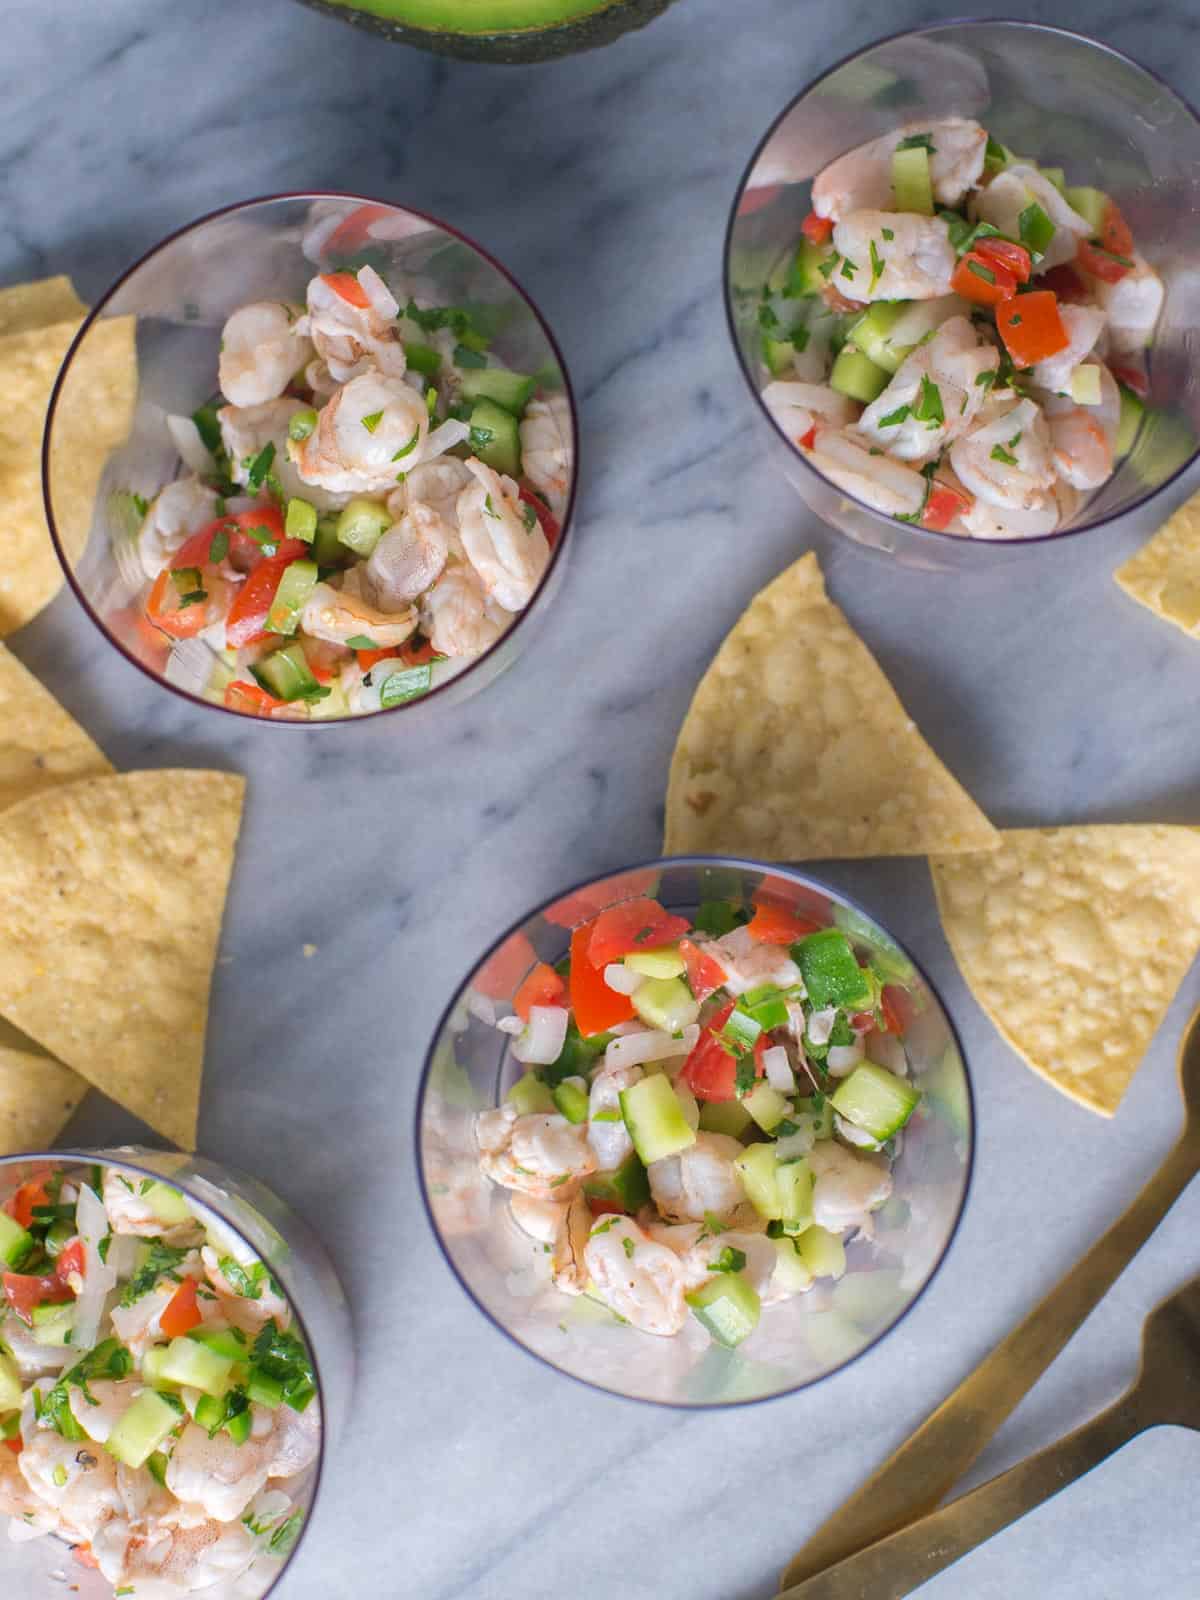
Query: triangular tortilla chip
x=1164 y=575
x=37 y=305
x=37 y=1098
x=41 y=745
x=111 y=897
x=1074 y=941
x=795 y=747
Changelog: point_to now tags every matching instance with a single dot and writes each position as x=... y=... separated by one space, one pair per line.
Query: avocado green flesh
x=508 y=32
x=478 y=16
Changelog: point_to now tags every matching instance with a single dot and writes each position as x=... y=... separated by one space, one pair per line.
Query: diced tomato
x=943 y=505
x=705 y=974
x=416 y=655
x=368 y=658
x=24 y=1292
x=1134 y=378
x=348 y=287
x=586 y=903
x=502 y=972
x=896 y=1004
x=354 y=231
x=1014 y=258
x=543 y=987
x=775 y=924
x=245 y=553
x=253 y=701
x=982 y=281
x=545 y=516
x=597 y=1007
x=710 y=1072
x=633 y=925
x=32 y=1192
x=1066 y=284
x=71 y=1259
x=166 y=609
x=15 y=1444
x=1116 y=235
x=809 y=439
x=181 y=1313
x=1031 y=327
x=246 y=622
x=1101 y=263
x=817 y=230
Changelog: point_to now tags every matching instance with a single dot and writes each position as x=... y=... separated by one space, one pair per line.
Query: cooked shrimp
x=1084 y=438
x=567 y=1263
x=540 y=1219
x=17 y=1499
x=1020 y=476
x=247 y=430
x=222 y=1477
x=409 y=558
x=340 y=614
x=918 y=258
x=372 y=429
x=748 y=963
x=847 y=1186
x=435 y=485
x=1132 y=306
x=702 y=1260
x=946 y=370
x=798 y=406
x=1083 y=326
x=179 y=1554
x=1011 y=191
x=886 y=485
x=130 y=1211
x=545 y=451
x=33 y=1360
x=247 y=1312
x=639 y=1279
x=607 y=1133
x=78 y=1483
x=261 y=352
x=144 y=1499
x=701 y=1179
x=111 y=1397
x=176 y=512
x=861 y=180
x=456 y=615
x=542 y=1155
x=350 y=338
x=508 y=551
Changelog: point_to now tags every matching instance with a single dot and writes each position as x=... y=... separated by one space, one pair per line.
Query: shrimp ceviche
x=960 y=338
x=157 y=1410
x=369 y=503
x=709 y=1109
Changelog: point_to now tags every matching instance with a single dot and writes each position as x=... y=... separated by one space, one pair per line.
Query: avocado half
x=503 y=31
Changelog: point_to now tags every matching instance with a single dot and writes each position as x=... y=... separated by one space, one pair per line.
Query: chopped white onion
x=619 y=977
x=843 y=1058
x=444 y=437
x=193 y=451
x=377 y=292
x=510 y=1025
x=779 y=1069
x=687 y=1101
x=481 y=1007
x=820 y=1024
x=544 y=1036
x=98 y=1276
x=651 y=1044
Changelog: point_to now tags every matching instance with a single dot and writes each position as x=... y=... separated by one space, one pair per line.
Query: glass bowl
x=796 y=1343
x=1067 y=101
x=279 y=1237
x=179 y=296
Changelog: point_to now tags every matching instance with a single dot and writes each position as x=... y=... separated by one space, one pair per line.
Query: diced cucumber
x=875 y=1100
x=822 y=1252
x=140 y=1430
x=665 y=1003
x=1058 y=177
x=301 y=520
x=912 y=183
x=792 y=1276
x=664 y=962
x=152 y=1365
x=263 y=1390
x=328 y=550
x=11 y=1392
x=530 y=1095
x=856 y=376
x=626 y=1186
x=1133 y=409
x=571 y=1100
x=286 y=673
x=39 y=1316
x=794 y=1180
x=167 y=1204
x=222 y=1342
x=757 y=1168
x=238 y=1427
x=779 y=356
x=330 y=706
x=725 y=1116
x=1091 y=204
x=361 y=525
x=805 y=276
x=832 y=975
x=655 y=1119
x=512 y=390
x=295 y=586
x=767 y=1106
x=209 y=1412
x=727 y=1306
x=1085 y=385
x=15 y=1241
x=422 y=358
x=818 y=1120
x=58 y=1234
x=195 y=1366
x=495 y=437
x=871 y=334
x=53 y=1329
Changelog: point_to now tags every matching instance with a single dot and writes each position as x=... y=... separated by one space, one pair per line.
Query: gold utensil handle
x=905 y=1560
x=928 y=1464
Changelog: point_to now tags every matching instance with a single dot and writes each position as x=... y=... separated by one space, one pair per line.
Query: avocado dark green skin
x=509 y=49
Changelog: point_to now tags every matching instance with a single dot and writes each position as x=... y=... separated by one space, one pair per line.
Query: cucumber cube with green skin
x=209 y=1412
x=871 y=334
x=1091 y=204
x=195 y=1366
x=301 y=520
x=295 y=587
x=11 y=1393
x=626 y=1186
x=724 y=1116
x=912 y=183
x=222 y=1342
x=817 y=1120
x=238 y=1427
x=822 y=1252
x=15 y=1242
x=854 y=375
x=361 y=525
x=167 y=1204
x=757 y=1169
x=664 y=962
x=423 y=358
x=152 y=1366
x=495 y=438
x=529 y=1095
x=286 y=673
x=831 y=973
x=54 y=1329
x=1133 y=409
x=792 y=1276
x=263 y=1390
x=767 y=1106
x=727 y=1306
x=655 y=1119
x=794 y=1180
x=140 y=1430
x=1058 y=177
x=328 y=550
x=571 y=1101
x=665 y=1003
x=778 y=356
x=805 y=276
x=875 y=1100
x=511 y=390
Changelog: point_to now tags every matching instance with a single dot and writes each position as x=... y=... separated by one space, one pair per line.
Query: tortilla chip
x=111 y=897
x=1074 y=941
x=37 y=1099
x=795 y=747
x=1164 y=575
x=96 y=415
x=40 y=744
x=36 y=305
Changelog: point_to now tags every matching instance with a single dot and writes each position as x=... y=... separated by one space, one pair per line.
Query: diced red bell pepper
x=347 y=286
x=1031 y=327
x=705 y=974
x=775 y=924
x=23 y=1292
x=549 y=522
x=982 y=281
x=710 y=1072
x=182 y=1312
x=73 y=1258
x=353 y=232
x=32 y=1192
x=633 y=925
x=896 y=1004
x=588 y=902
x=942 y=505
x=502 y=972
x=1102 y=263
x=246 y=622
x=252 y=701
x=597 y=1007
x=817 y=230
x=1014 y=258
x=543 y=987
x=368 y=658
x=1116 y=234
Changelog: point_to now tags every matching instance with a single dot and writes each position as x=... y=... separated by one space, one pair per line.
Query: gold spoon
x=1167 y=1391
x=928 y=1464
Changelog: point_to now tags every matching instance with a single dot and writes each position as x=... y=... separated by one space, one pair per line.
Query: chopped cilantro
x=260 y=466
x=848 y=267
x=999 y=453
x=713 y=1225
x=282 y=1356
x=827 y=267
x=877 y=265
x=160 y=1262
x=918 y=141
x=489 y=509
x=729 y=1260
x=895 y=418
x=245 y=1282
x=283 y=1540
x=929 y=405
x=371 y=422
x=628 y=1246
x=219 y=547
x=888 y=234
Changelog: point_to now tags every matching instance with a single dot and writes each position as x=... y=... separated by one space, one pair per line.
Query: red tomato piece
x=1116 y=235
x=1014 y=258
x=798 y=898
x=416 y=655
x=705 y=974
x=247 y=617
x=166 y=610
x=1031 y=327
x=181 y=1312
x=809 y=439
x=710 y=1072
x=775 y=924
x=543 y=987
x=982 y=281
x=597 y=1007
x=1101 y=263
x=368 y=658
x=24 y=1292
x=943 y=505
x=32 y=1192
x=244 y=552
x=354 y=231
x=588 y=902
x=73 y=1258
x=817 y=230
x=502 y=972
x=253 y=701
x=348 y=287
x=549 y=522
x=1132 y=377
x=633 y=925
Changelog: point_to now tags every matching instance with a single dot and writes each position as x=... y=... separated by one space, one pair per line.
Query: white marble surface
x=470 y=1471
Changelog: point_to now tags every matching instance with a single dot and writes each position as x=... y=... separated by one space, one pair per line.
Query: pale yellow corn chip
x=37 y=305
x=37 y=1098
x=1074 y=941
x=40 y=744
x=796 y=748
x=1164 y=575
